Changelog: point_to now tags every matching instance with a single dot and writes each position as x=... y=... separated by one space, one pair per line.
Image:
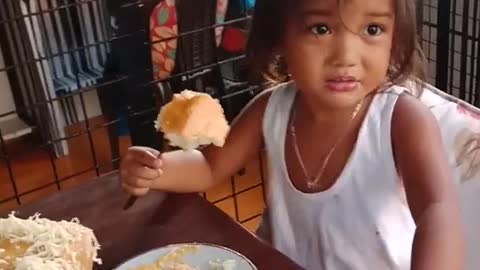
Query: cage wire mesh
x=82 y=79
x=450 y=39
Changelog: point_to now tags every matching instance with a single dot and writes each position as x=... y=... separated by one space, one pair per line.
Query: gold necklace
x=312 y=182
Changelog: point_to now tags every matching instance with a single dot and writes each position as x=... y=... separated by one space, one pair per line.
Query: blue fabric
x=241 y=5
x=122 y=126
x=250 y=4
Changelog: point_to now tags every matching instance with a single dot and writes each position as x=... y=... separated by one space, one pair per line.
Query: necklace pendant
x=311 y=184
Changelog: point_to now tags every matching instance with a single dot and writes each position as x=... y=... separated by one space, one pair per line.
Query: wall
x=92 y=105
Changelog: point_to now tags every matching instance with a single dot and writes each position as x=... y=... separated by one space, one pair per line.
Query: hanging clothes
x=164 y=25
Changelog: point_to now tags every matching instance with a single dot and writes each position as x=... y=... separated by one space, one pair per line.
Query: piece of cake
x=193 y=119
x=173 y=260
x=41 y=244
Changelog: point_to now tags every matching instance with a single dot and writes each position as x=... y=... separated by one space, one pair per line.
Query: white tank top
x=363 y=221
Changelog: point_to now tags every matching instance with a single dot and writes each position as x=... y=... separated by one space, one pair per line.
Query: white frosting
x=50 y=242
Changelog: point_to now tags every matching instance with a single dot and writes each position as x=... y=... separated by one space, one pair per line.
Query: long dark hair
x=269 y=23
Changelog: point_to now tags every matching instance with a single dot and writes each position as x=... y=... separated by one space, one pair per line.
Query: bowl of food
x=189 y=256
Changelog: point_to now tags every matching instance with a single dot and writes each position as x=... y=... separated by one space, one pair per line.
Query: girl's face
x=339 y=51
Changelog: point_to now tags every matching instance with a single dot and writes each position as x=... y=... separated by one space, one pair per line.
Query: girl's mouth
x=342 y=84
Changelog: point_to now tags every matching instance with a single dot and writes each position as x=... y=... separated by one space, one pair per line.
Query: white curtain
x=56 y=121
x=75 y=32
x=70 y=44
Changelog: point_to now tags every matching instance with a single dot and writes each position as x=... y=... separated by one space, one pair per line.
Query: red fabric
x=234 y=40
x=163 y=24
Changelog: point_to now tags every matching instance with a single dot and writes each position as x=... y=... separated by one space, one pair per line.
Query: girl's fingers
x=140 y=171
x=146 y=156
x=135 y=190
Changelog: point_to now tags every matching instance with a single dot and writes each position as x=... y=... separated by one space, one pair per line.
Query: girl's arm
x=423 y=165
x=199 y=171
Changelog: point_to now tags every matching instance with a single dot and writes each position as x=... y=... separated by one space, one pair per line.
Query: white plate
x=200 y=258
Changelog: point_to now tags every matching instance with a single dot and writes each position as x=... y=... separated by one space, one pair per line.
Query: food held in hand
x=38 y=243
x=193 y=119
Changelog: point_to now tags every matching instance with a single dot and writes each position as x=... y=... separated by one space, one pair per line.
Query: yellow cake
x=41 y=244
x=193 y=119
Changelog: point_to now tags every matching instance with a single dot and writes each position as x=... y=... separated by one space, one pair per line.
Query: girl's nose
x=344 y=52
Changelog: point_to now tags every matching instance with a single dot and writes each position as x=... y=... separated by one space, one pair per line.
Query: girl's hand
x=139 y=170
x=196 y=171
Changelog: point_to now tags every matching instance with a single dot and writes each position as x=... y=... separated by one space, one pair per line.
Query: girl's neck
x=314 y=112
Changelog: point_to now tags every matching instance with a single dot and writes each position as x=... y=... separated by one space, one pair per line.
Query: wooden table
x=155 y=220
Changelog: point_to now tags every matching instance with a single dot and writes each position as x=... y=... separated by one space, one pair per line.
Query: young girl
x=358 y=175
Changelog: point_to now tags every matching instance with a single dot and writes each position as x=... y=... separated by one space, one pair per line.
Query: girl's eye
x=320 y=29
x=374 y=30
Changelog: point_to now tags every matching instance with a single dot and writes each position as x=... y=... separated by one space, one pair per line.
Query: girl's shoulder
x=412 y=119
x=398 y=90
x=282 y=90
x=282 y=94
